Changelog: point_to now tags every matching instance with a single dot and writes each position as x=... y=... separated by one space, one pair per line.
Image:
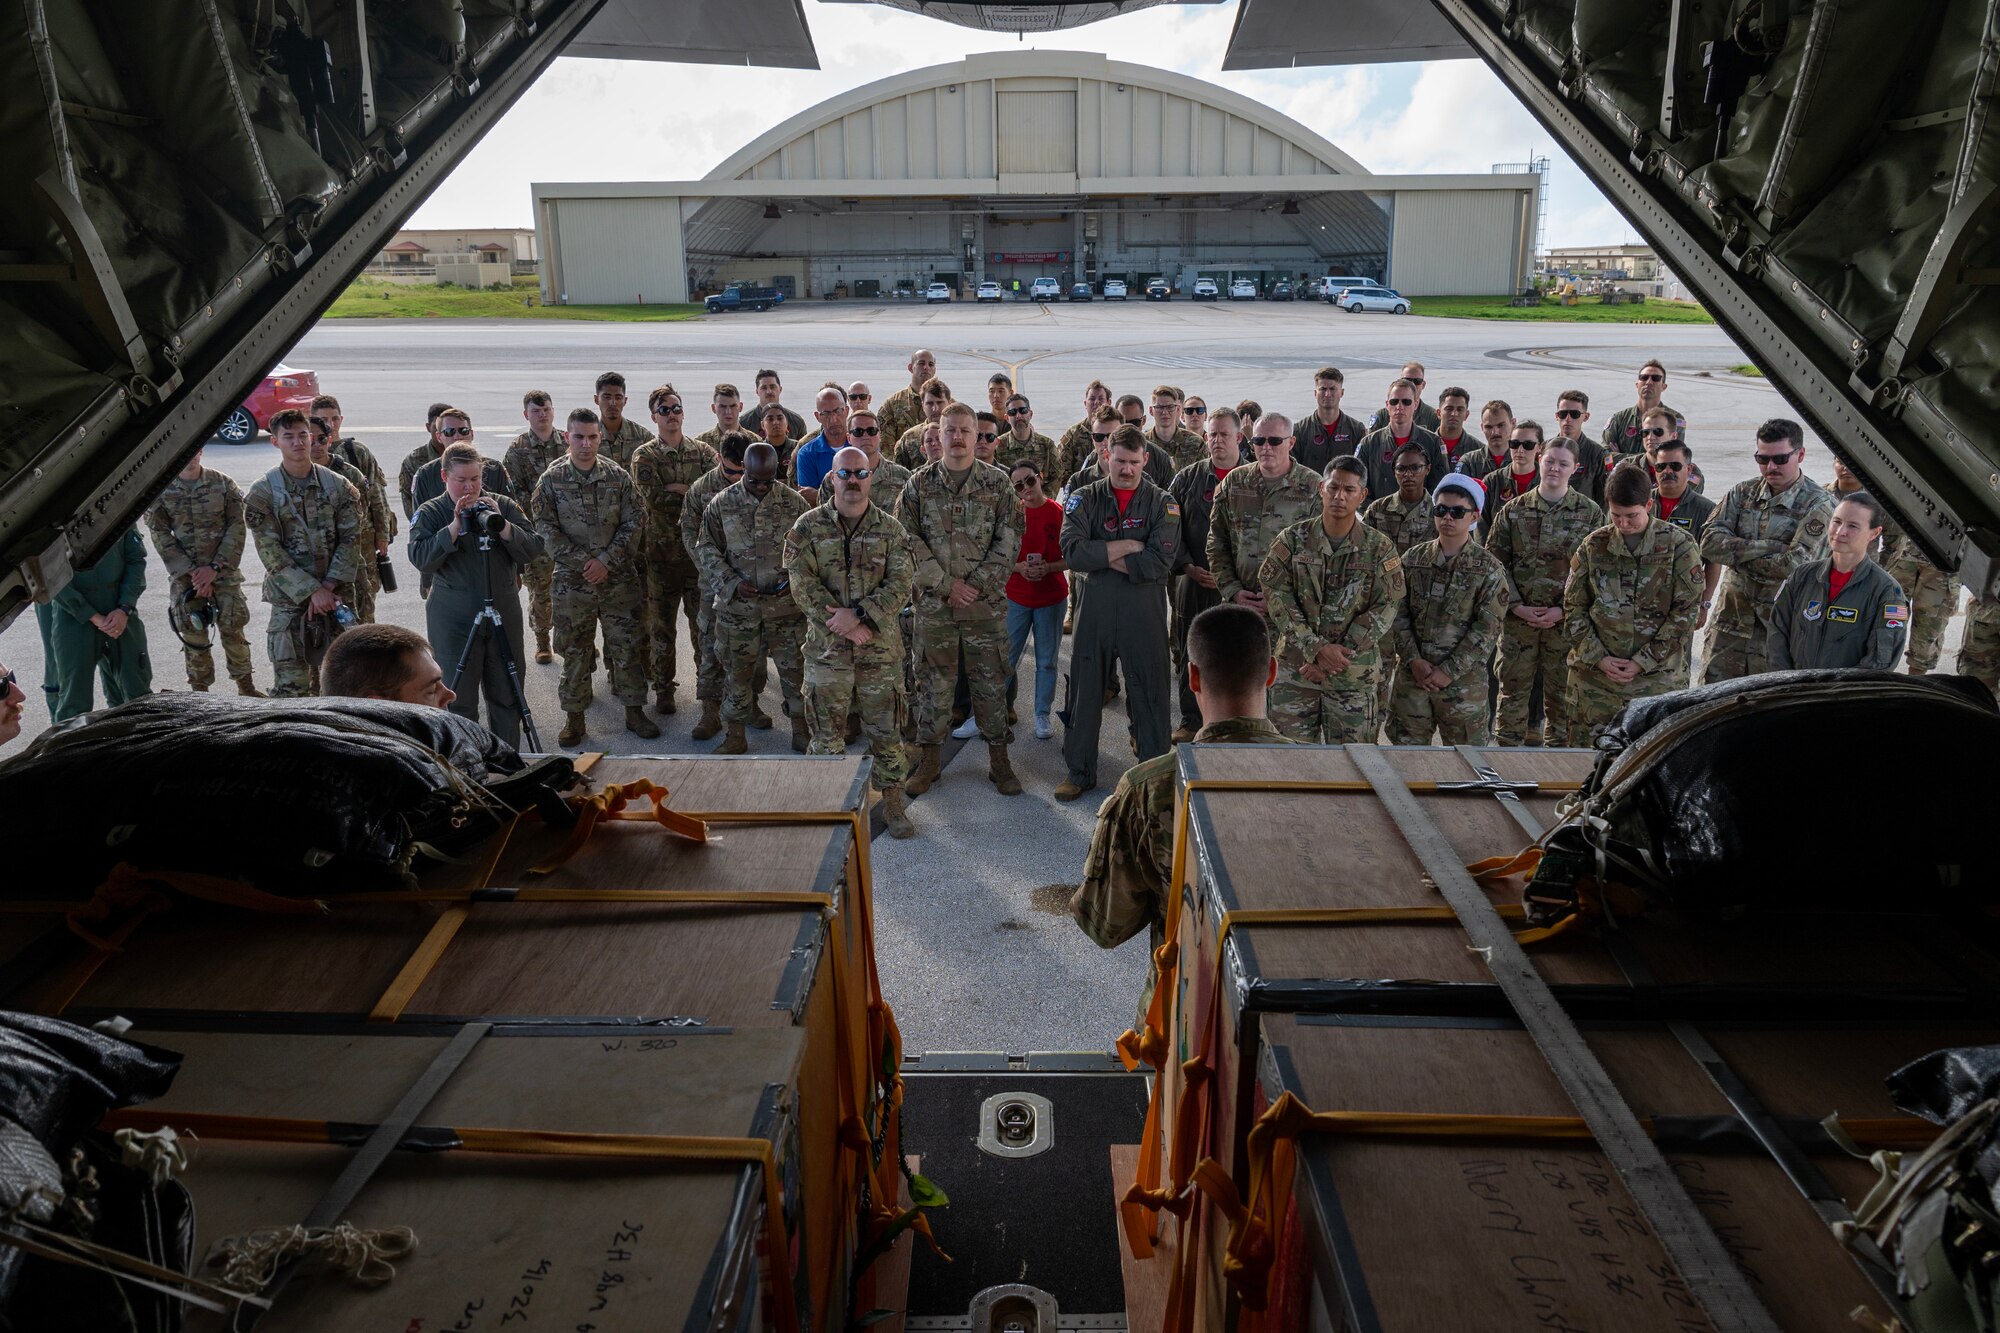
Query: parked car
x=990 y=291
x=1157 y=290
x=1354 y=300
x=1315 y=289
x=936 y=292
x=743 y=296
x=1243 y=289
x=1114 y=289
x=1281 y=290
x=1080 y=291
x=284 y=387
x=1046 y=289
x=1333 y=283
x=1205 y=290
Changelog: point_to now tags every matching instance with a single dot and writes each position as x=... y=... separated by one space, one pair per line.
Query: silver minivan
x=1334 y=283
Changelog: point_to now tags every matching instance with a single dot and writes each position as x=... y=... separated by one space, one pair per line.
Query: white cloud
x=642 y=120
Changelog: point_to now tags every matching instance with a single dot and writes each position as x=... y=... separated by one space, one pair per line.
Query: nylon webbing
x=1713 y=1278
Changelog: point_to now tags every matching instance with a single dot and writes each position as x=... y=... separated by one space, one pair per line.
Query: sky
x=590 y=120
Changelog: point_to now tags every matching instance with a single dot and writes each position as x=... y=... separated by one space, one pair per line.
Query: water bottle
x=344 y=614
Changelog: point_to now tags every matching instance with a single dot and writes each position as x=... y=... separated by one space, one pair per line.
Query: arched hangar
x=1015 y=165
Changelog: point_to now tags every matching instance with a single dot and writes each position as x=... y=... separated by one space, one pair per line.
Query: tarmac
x=977 y=949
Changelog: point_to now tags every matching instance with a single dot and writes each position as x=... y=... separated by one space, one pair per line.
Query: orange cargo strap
x=1153 y=1045
x=1252 y=1245
x=532 y=1143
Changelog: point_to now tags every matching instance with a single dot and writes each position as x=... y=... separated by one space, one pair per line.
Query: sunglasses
x=854 y=473
x=865 y=432
x=1099 y=439
x=1774 y=460
x=987 y=435
x=1018 y=411
x=668 y=410
x=1656 y=432
x=859 y=397
x=733 y=473
x=1453 y=511
x=1198 y=409
x=1652 y=379
x=1414 y=379
x=1025 y=482
x=1402 y=402
x=7 y=683
x=1269 y=441
x=453 y=432
x=1670 y=467
x=1524 y=444
x=1565 y=413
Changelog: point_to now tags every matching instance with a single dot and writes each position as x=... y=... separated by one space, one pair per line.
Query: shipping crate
x=763 y=926
x=1387 y=1232
x=601 y=1228
x=1267 y=838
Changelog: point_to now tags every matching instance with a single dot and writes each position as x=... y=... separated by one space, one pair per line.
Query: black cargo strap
x=1714 y=1280
x=368 y=1159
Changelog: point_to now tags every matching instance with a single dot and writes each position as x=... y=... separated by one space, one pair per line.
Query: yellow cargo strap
x=530 y=1143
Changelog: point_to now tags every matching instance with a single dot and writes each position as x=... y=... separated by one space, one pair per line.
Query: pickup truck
x=743 y=296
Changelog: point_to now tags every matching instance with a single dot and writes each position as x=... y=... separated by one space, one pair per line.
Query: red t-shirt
x=1836 y=582
x=1667 y=507
x=1523 y=481
x=1220 y=473
x=1124 y=499
x=1041 y=534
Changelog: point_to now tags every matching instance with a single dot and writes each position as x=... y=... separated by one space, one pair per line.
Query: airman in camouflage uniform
x=430 y=451
x=1182 y=446
x=964 y=526
x=622 y=435
x=1253 y=505
x=1766 y=528
x=197 y=527
x=1333 y=586
x=904 y=408
x=528 y=457
x=709 y=680
x=1631 y=601
x=1021 y=442
x=376 y=523
x=1448 y=624
x=1979 y=653
x=909 y=450
x=665 y=469
x=306 y=521
x=1075 y=448
x=587 y=512
x=358 y=455
x=1533 y=539
x=1405 y=518
x=858 y=563
x=741 y=553
x=1622 y=432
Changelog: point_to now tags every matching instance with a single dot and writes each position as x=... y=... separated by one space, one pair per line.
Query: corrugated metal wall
x=611 y=251
x=1130 y=131
x=936 y=133
x=1457 y=242
x=1037 y=131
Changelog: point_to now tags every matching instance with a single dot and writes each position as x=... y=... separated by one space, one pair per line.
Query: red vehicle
x=284 y=387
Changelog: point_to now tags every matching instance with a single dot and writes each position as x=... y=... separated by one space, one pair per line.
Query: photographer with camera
x=472 y=543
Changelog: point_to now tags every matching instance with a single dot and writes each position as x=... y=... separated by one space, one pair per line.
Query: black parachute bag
x=1934 y=1217
x=298 y=797
x=1794 y=791
x=61 y=1179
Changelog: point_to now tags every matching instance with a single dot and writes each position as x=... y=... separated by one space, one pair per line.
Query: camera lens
x=493 y=521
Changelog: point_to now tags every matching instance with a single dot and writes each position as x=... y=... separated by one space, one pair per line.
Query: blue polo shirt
x=812 y=461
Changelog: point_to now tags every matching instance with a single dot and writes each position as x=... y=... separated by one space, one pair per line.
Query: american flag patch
x=1895 y=616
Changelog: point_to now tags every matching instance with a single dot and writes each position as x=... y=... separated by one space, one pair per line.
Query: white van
x=1334 y=283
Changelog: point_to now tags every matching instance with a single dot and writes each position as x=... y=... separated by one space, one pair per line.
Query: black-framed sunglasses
x=987 y=435
x=1415 y=379
x=668 y=410
x=1402 y=402
x=8 y=682
x=1670 y=467
x=859 y=397
x=854 y=473
x=1197 y=409
x=1270 y=441
x=1524 y=444
x=1774 y=460
x=1453 y=511
x=865 y=432
x=733 y=473
x=1096 y=438
x=1566 y=413
x=453 y=432
x=1019 y=411
x=1650 y=378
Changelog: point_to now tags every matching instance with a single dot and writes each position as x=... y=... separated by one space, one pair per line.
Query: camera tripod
x=487 y=621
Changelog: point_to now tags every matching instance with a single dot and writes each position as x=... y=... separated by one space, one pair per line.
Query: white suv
x=989 y=291
x=1046 y=289
x=938 y=292
x=1243 y=289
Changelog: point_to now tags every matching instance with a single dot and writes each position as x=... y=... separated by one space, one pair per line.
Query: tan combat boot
x=894 y=818
x=799 y=735
x=639 y=724
x=542 y=653
x=735 y=742
x=572 y=732
x=199 y=689
x=928 y=771
x=1183 y=733
x=711 y=721
x=663 y=701
x=1071 y=789
x=759 y=718
x=1001 y=770
x=248 y=689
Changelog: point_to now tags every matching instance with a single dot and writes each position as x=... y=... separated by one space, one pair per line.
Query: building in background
x=1635 y=263
x=1015 y=165
x=467 y=257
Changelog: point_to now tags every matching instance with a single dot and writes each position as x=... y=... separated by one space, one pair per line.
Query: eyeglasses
x=987 y=435
x=865 y=432
x=1453 y=511
x=1166 y=407
x=1095 y=438
x=1656 y=432
x=668 y=410
x=1018 y=411
x=1025 y=482
x=1270 y=441
x=453 y=432
x=1669 y=467
x=1412 y=468
x=1402 y=402
x=854 y=473
x=1649 y=378
x=1774 y=460
x=1565 y=413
